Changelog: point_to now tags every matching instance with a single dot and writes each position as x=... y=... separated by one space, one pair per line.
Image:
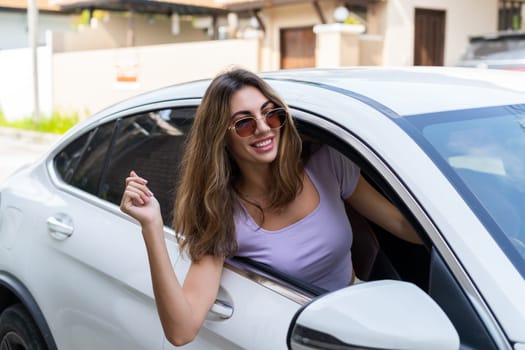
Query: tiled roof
x=44 y=5
x=198 y=3
x=192 y=7
x=149 y=5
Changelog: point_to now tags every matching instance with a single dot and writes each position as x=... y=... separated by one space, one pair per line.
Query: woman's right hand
x=139 y=202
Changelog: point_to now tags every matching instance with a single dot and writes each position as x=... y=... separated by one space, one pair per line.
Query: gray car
x=502 y=50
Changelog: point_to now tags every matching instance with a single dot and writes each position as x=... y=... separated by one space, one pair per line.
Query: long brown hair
x=206 y=199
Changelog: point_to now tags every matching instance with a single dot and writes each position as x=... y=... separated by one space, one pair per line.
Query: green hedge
x=55 y=123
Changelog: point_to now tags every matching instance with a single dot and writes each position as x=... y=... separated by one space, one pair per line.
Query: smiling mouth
x=263 y=143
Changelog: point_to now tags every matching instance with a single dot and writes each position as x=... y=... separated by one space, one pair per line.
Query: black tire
x=18 y=331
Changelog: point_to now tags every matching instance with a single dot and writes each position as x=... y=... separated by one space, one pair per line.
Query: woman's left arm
x=375 y=207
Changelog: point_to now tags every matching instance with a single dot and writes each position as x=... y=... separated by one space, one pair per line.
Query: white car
x=446 y=145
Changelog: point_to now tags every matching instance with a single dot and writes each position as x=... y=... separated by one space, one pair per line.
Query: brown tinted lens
x=276 y=118
x=245 y=126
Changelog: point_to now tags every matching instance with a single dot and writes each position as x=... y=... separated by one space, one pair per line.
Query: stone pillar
x=337 y=44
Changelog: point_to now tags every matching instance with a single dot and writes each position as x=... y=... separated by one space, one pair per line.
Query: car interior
x=377 y=254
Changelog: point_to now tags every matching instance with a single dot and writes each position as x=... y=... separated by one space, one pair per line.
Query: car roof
x=418 y=90
x=502 y=35
x=405 y=91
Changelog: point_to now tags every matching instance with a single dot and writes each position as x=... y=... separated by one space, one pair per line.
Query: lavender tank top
x=315 y=249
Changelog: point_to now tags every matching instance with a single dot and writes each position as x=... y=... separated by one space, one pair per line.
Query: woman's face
x=261 y=146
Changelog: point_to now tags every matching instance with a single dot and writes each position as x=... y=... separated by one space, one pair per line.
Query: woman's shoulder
x=328 y=163
x=321 y=154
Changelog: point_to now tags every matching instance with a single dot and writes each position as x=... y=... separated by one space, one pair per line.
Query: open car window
x=377 y=255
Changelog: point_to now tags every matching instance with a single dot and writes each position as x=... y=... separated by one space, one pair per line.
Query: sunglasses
x=274 y=118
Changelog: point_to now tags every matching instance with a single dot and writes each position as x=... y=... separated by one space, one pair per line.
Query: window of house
x=510 y=15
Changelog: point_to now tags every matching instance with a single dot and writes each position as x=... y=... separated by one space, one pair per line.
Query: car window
x=80 y=164
x=152 y=145
x=378 y=255
x=481 y=152
x=67 y=160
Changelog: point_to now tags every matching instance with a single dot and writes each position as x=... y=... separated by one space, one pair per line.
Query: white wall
x=463 y=19
x=85 y=81
x=113 y=31
x=16 y=74
x=16 y=82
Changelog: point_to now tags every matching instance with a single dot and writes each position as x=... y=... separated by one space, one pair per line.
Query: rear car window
x=149 y=143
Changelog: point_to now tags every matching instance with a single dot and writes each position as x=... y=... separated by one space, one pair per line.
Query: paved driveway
x=20 y=147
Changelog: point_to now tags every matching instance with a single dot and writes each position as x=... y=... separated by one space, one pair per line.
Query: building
x=115 y=48
x=398 y=32
x=13 y=20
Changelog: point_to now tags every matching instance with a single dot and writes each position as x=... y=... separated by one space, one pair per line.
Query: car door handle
x=221 y=310
x=60 y=226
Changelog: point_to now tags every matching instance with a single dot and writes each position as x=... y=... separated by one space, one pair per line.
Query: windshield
x=482 y=152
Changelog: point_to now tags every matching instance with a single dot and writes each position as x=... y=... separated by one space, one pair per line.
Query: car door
x=97 y=294
x=106 y=249
x=101 y=295
x=253 y=309
x=152 y=145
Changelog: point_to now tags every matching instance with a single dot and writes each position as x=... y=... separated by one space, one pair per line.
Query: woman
x=245 y=190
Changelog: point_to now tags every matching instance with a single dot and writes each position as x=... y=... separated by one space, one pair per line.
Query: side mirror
x=373 y=315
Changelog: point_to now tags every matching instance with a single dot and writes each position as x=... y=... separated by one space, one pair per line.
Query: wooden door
x=297 y=48
x=429 y=37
